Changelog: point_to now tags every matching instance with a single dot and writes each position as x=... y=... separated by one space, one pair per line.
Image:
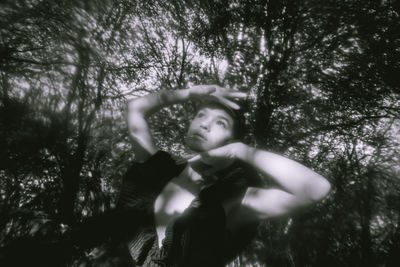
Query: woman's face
x=211 y=127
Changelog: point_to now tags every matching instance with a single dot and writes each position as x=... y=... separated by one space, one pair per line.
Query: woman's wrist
x=183 y=94
x=243 y=152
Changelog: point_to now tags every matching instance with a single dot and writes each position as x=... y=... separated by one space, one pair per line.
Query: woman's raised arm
x=299 y=185
x=141 y=108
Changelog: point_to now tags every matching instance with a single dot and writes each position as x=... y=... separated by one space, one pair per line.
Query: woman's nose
x=205 y=124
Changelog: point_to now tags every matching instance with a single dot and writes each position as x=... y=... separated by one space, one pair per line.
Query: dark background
x=323 y=77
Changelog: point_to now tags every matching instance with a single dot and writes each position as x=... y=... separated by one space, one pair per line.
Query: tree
x=322 y=80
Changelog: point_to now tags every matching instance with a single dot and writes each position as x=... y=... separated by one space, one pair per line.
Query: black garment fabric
x=196 y=238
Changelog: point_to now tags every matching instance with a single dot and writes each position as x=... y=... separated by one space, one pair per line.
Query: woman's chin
x=196 y=146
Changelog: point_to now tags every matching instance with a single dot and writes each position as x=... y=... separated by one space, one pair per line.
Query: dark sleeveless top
x=198 y=237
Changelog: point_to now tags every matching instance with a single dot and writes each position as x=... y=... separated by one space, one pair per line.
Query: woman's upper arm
x=139 y=131
x=259 y=204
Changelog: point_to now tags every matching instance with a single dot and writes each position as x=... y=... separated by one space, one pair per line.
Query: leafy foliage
x=323 y=84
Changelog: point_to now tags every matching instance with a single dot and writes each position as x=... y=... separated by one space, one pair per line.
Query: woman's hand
x=223 y=156
x=223 y=95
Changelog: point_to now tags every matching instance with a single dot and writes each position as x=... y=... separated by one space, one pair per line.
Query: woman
x=203 y=212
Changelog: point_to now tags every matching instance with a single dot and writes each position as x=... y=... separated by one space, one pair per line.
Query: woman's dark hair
x=237 y=116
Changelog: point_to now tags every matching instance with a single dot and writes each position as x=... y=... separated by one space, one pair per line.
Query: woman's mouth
x=199 y=136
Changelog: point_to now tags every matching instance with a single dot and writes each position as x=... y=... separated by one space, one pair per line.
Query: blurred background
x=323 y=82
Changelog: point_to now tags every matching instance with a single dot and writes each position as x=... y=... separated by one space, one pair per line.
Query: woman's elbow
x=319 y=189
x=134 y=105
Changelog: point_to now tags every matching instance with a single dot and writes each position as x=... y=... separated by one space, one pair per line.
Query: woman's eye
x=221 y=123
x=199 y=115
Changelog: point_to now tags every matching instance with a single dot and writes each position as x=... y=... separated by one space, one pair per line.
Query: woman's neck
x=190 y=180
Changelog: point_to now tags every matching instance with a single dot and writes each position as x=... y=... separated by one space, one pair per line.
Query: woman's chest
x=172 y=201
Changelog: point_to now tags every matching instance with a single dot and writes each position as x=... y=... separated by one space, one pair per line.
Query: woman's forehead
x=214 y=105
x=216 y=111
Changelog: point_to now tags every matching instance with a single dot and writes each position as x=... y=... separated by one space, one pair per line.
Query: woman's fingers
x=194 y=159
x=235 y=94
x=227 y=102
x=226 y=92
x=224 y=95
x=223 y=100
x=203 y=90
x=207 y=89
x=211 y=89
x=217 y=90
x=203 y=157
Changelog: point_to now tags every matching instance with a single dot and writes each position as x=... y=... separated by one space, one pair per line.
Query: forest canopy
x=323 y=83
